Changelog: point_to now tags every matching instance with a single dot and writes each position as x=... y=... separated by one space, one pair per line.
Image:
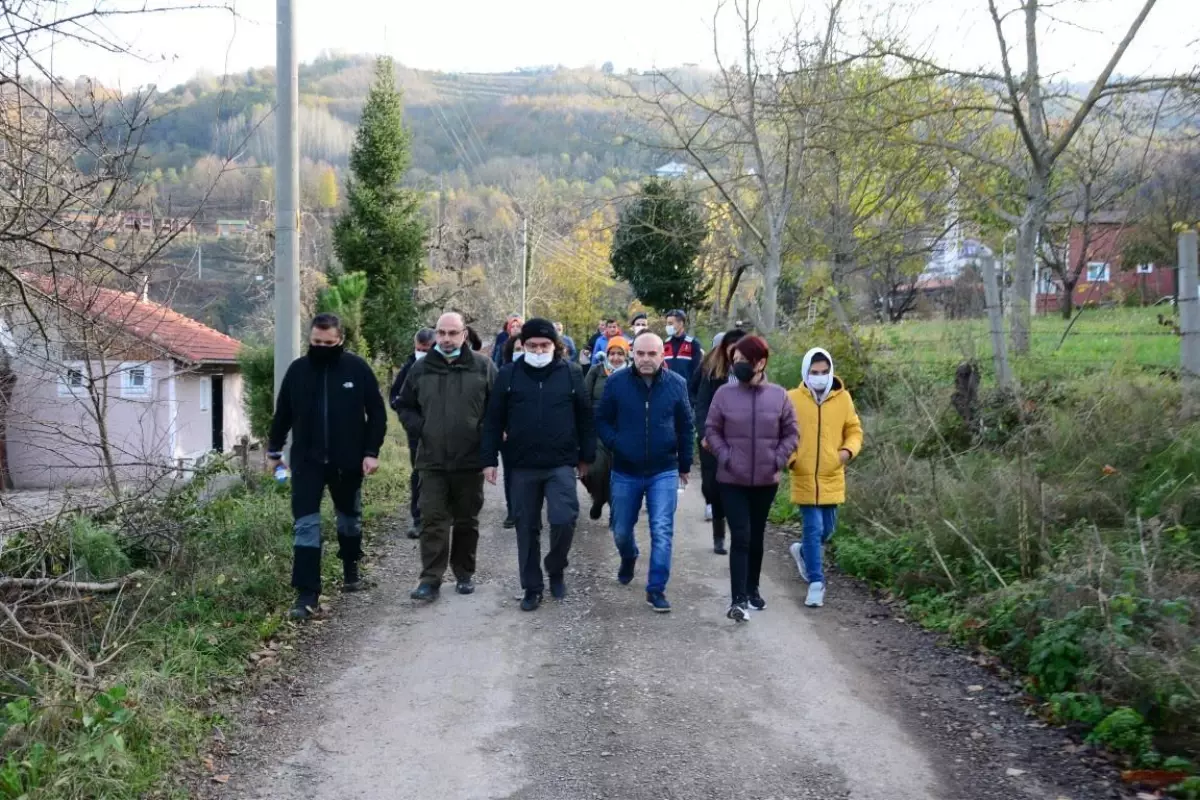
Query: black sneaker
x=465 y=586
x=757 y=602
x=659 y=601
x=509 y=522
x=305 y=607
x=351 y=582
x=596 y=511
x=414 y=530
x=532 y=601
x=625 y=573
x=558 y=587
x=719 y=547
x=426 y=592
x=738 y=612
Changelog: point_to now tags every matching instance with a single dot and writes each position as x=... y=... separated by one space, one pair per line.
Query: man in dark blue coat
x=645 y=421
x=542 y=414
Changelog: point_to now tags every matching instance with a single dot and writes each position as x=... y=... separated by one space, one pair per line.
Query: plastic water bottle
x=281 y=474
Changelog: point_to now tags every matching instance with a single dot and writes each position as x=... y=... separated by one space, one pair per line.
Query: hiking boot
x=307 y=604
x=531 y=601
x=558 y=587
x=625 y=573
x=756 y=601
x=426 y=593
x=797 y=552
x=465 y=586
x=509 y=523
x=351 y=582
x=708 y=513
x=718 y=527
x=659 y=601
x=719 y=547
x=738 y=612
x=414 y=530
x=596 y=511
x=816 y=595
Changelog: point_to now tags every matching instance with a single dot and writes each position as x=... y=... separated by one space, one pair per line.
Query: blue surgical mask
x=670 y=330
x=451 y=354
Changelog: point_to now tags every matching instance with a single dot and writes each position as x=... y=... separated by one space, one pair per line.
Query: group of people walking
x=624 y=415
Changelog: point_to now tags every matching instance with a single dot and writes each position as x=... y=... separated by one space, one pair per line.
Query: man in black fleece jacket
x=422 y=344
x=539 y=404
x=330 y=403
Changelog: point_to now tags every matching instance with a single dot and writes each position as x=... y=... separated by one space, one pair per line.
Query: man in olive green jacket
x=442 y=406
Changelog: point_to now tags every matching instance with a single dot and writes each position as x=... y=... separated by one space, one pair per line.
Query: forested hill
x=558 y=121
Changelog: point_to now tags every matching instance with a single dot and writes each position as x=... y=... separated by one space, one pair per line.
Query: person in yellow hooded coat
x=830 y=436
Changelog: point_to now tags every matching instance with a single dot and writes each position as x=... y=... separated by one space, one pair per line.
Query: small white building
x=672 y=170
x=98 y=385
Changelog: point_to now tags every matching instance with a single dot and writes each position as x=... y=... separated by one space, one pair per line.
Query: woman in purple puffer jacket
x=751 y=429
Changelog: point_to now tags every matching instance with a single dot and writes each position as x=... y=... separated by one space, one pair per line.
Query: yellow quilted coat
x=818 y=477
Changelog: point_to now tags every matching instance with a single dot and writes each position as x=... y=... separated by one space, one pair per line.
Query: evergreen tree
x=655 y=247
x=381 y=233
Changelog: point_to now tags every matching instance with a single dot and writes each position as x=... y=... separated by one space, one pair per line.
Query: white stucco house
x=98 y=385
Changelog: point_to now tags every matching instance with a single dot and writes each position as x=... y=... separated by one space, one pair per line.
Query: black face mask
x=324 y=355
x=743 y=371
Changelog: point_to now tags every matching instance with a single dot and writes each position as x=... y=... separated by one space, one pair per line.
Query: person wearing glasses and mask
x=539 y=410
x=442 y=406
x=330 y=403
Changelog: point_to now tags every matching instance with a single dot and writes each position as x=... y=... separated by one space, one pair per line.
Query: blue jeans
x=819 y=522
x=662 y=496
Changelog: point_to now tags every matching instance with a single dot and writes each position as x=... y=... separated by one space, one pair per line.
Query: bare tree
x=1045 y=116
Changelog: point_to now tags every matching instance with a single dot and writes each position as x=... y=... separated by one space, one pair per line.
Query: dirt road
x=599 y=697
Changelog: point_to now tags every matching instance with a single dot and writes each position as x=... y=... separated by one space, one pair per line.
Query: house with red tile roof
x=103 y=386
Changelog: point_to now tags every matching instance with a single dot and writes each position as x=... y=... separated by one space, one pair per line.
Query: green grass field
x=1100 y=340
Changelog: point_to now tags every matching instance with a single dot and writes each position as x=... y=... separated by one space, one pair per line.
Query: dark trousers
x=508 y=502
x=450 y=506
x=309 y=482
x=556 y=488
x=746 y=510
x=710 y=488
x=414 y=484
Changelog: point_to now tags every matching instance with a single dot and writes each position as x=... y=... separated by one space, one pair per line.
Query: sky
x=500 y=35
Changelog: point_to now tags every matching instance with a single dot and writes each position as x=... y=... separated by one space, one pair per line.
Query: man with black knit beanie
x=542 y=414
x=330 y=403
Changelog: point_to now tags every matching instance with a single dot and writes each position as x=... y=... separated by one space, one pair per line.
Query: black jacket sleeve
x=495 y=421
x=398 y=384
x=408 y=404
x=376 y=413
x=281 y=423
x=585 y=421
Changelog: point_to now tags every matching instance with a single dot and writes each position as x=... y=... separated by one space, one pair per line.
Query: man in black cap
x=540 y=411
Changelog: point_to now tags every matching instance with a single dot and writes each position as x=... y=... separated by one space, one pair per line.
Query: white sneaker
x=816 y=595
x=797 y=552
x=708 y=513
x=738 y=612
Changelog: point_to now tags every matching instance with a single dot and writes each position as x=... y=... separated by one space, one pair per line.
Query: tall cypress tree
x=381 y=233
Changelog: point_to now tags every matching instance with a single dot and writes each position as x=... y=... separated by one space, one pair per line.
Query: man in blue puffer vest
x=645 y=421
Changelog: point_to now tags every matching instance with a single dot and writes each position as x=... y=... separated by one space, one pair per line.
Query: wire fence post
x=991 y=294
x=1189 y=323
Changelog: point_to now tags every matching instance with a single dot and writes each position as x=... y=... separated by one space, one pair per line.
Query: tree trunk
x=1067 y=304
x=1026 y=255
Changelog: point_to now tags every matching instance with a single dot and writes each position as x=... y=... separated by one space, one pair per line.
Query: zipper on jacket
x=646 y=461
x=817 y=475
x=753 y=431
x=325 y=413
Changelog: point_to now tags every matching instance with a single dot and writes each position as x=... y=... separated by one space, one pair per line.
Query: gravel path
x=598 y=697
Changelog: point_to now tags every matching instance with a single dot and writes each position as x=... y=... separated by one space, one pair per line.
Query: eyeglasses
x=441 y=332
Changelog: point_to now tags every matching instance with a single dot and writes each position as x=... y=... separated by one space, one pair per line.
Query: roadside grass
x=187 y=627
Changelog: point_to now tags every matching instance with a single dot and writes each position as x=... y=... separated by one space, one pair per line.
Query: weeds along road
x=598 y=697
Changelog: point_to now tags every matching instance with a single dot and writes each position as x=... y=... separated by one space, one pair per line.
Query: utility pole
x=287 y=190
x=1189 y=322
x=525 y=259
x=991 y=293
x=199 y=263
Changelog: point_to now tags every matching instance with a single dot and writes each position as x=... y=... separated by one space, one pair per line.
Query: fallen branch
x=79 y=586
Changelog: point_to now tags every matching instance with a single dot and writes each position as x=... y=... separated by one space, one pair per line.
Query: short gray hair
x=425 y=336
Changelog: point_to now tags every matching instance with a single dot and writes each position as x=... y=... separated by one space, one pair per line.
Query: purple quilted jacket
x=752 y=432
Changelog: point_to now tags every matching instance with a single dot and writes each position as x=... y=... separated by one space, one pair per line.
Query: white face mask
x=819 y=383
x=638 y=329
x=670 y=330
x=538 y=360
x=419 y=355
x=518 y=356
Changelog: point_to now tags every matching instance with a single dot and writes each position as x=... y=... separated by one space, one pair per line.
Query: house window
x=135 y=380
x=73 y=379
x=205 y=393
x=1097 y=272
x=1145 y=269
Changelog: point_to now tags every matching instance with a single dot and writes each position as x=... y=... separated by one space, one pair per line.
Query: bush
x=257 y=363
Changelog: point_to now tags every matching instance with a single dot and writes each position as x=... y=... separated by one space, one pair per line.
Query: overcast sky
x=500 y=35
